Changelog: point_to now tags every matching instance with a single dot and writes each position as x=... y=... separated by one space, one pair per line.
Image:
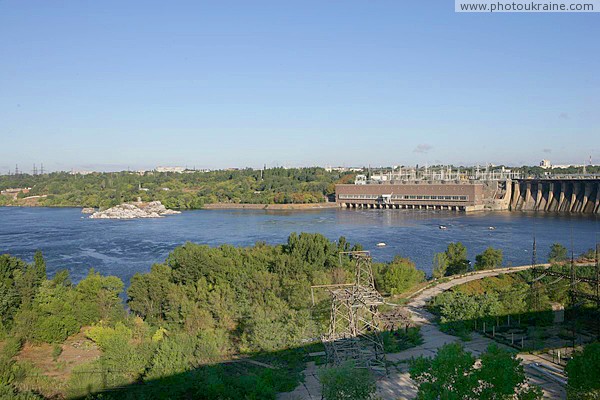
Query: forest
x=176 y=190
x=212 y=322
x=195 y=314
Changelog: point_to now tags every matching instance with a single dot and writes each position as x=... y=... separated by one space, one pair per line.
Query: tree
x=451 y=374
x=400 y=275
x=98 y=298
x=440 y=265
x=148 y=293
x=457 y=259
x=347 y=383
x=39 y=265
x=583 y=371
x=489 y=259
x=558 y=253
x=502 y=377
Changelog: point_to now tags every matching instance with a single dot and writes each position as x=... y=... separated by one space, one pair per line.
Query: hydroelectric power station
x=471 y=190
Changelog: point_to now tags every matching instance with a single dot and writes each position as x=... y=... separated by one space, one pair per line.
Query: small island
x=153 y=209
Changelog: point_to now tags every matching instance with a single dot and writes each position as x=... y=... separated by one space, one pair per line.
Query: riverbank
x=238 y=206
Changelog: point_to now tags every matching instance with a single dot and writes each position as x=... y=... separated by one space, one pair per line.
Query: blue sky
x=110 y=84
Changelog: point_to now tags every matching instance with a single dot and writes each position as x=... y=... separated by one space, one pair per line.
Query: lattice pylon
x=354 y=329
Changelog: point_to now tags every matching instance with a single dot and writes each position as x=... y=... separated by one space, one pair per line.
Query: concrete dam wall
x=556 y=195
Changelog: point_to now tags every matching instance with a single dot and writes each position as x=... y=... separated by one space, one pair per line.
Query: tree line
x=177 y=190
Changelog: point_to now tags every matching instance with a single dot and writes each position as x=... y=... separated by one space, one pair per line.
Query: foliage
x=558 y=253
x=489 y=259
x=104 y=292
x=346 y=382
x=590 y=254
x=185 y=191
x=583 y=371
x=398 y=276
x=457 y=259
x=401 y=339
x=440 y=265
x=19 y=283
x=451 y=375
x=198 y=307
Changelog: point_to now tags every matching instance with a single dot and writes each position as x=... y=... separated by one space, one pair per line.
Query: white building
x=545 y=164
x=178 y=170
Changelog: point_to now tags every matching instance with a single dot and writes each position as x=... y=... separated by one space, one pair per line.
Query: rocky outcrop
x=88 y=210
x=153 y=209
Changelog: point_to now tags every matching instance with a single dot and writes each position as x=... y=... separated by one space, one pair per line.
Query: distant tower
x=34 y=170
x=16 y=169
x=42 y=169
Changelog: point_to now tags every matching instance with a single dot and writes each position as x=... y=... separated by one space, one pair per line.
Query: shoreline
x=284 y=207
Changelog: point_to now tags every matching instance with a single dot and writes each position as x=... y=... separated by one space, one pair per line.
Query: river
x=70 y=240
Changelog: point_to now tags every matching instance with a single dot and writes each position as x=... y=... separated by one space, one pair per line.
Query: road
x=398 y=385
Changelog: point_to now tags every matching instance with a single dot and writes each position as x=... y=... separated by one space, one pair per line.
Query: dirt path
x=398 y=385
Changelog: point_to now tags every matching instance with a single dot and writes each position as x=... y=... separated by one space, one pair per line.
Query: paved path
x=398 y=385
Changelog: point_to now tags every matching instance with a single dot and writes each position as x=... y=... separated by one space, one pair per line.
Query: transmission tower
x=537 y=275
x=576 y=296
x=355 y=325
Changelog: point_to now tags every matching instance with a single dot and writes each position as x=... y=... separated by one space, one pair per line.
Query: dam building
x=457 y=197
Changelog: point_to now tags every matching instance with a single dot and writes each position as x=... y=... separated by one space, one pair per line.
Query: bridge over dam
x=569 y=194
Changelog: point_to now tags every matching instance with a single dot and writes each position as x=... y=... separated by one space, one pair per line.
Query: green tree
x=347 y=383
x=583 y=371
x=489 y=259
x=501 y=376
x=451 y=374
x=448 y=375
x=440 y=265
x=98 y=298
x=54 y=310
x=457 y=259
x=148 y=293
x=400 y=275
x=558 y=253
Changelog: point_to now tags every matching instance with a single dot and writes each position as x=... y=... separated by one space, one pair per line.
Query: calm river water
x=122 y=248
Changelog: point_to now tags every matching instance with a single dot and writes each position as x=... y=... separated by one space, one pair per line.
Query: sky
x=109 y=85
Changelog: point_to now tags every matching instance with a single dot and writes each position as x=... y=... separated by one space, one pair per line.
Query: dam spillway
x=570 y=195
x=578 y=194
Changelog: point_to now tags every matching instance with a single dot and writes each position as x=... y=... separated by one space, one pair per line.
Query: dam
x=561 y=193
x=470 y=191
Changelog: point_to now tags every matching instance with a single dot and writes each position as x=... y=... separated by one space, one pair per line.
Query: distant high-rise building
x=545 y=164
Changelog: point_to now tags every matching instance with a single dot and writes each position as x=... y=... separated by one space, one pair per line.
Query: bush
x=347 y=383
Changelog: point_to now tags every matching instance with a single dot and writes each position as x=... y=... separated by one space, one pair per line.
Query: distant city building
x=343 y=169
x=80 y=172
x=178 y=170
x=545 y=164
